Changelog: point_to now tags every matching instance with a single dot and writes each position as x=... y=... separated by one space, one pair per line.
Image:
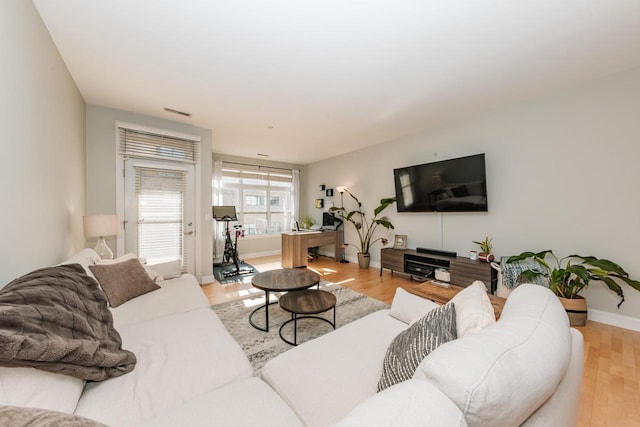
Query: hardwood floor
x=611 y=384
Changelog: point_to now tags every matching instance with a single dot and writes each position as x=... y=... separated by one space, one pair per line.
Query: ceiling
x=303 y=81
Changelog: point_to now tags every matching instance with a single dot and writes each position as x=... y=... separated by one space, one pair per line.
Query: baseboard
x=614 y=319
x=354 y=259
x=260 y=254
x=207 y=279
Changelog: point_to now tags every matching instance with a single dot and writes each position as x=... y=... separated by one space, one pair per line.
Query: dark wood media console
x=463 y=271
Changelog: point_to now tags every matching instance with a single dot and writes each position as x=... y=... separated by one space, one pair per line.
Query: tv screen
x=455 y=185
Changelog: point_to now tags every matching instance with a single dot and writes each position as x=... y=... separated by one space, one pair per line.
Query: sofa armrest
x=563 y=405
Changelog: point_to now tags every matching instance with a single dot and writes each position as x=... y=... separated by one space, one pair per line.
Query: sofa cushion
x=180 y=357
x=247 y=402
x=409 y=347
x=30 y=387
x=174 y=296
x=407 y=307
x=332 y=371
x=123 y=281
x=473 y=309
x=519 y=360
x=410 y=403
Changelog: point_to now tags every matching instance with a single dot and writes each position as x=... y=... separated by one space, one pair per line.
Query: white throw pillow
x=474 y=311
x=152 y=274
x=85 y=258
x=168 y=270
x=407 y=307
x=30 y=387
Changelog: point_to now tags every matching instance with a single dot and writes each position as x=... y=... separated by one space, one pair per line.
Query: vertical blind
x=160 y=201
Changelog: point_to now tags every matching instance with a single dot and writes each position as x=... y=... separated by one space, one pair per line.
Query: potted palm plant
x=365 y=227
x=569 y=275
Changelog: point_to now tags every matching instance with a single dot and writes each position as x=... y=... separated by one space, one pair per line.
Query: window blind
x=160 y=195
x=135 y=143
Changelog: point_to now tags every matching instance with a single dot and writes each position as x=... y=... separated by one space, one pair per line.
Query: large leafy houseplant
x=569 y=275
x=366 y=227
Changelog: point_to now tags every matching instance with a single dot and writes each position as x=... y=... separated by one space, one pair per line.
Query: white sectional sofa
x=524 y=370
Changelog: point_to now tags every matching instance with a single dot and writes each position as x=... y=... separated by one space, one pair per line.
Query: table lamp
x=100 y=226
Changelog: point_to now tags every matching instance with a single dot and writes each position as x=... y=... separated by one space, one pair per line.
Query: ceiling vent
x=182 y=113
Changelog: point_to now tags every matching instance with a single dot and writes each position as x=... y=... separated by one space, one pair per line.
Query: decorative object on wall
x=486 y=246
x=321 y=187
x=329 y=192
x=365 y=227
x=319 y=203
x=573 y=273
x=400 y=241
x=100 y=226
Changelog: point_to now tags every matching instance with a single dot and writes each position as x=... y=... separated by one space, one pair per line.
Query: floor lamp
x=341 y=190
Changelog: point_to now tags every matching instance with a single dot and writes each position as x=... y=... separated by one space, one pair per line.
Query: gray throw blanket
x=35 y=417
x=511 y=272
x=56 y=319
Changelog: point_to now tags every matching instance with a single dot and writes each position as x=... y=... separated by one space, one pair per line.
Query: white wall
x=562 y=174
x=101 y=167
x=42 y=165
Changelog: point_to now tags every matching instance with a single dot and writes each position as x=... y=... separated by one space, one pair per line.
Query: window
x=262 y=197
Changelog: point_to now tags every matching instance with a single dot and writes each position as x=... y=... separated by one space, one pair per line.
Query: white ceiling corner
x=304 y=81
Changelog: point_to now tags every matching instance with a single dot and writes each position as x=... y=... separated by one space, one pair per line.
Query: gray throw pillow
x=407 y=350
x=123 y=281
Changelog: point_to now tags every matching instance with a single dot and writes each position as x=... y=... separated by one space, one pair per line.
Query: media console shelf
x=463 y=271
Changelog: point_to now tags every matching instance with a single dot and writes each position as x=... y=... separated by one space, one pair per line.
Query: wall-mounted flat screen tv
x=455 y=185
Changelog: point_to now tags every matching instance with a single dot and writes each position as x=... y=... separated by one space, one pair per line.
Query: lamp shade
x=101 y=225
x=341 y=189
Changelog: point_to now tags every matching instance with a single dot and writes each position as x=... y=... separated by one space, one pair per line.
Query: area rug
x=260 y=346
x=219 y=272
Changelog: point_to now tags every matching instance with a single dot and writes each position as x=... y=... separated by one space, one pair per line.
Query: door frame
x=120 y=194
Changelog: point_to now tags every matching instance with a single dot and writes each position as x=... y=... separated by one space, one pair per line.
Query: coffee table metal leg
x=334 y=317
x=295 y=329
x=266 y=313
x=294 y=319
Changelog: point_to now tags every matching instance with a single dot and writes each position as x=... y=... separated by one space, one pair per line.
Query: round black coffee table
x=303 y=305
x=281 y=280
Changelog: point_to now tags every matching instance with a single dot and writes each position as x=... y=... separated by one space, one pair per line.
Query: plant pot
x=576 y=309
x=363 y=260
x=483 y=256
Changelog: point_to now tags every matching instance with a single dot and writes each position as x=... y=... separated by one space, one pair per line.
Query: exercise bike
x=228 y=214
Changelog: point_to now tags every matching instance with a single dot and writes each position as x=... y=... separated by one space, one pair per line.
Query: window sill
x=260 y=236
